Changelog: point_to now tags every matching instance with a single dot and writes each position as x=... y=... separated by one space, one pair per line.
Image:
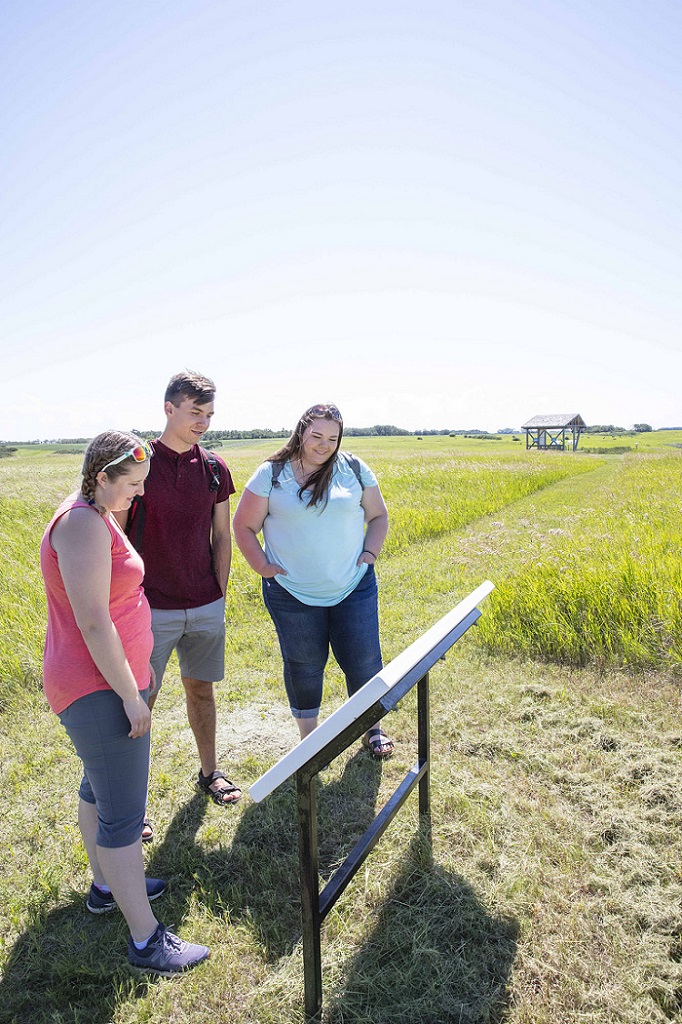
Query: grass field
x=553 y=892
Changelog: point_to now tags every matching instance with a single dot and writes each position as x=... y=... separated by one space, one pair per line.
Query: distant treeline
x=609 y=428
x=378 y=430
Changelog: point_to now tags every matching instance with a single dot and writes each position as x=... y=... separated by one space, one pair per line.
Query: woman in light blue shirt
x=324 y=522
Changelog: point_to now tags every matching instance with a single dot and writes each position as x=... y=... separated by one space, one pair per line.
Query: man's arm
x=221 y=543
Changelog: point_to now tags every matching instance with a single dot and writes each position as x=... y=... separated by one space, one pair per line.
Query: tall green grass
x=601 y=588
x=430 y=492
x=22 y=601
x=605 y=587
x=434 y=494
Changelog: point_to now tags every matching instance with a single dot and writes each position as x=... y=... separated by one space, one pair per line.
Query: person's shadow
x=71 y=966
x=434 y=956
x=256 y=878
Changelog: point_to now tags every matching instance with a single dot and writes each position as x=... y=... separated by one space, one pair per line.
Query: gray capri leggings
x=115 y=767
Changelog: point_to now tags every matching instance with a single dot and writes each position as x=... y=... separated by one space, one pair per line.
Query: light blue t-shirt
x=318 y=546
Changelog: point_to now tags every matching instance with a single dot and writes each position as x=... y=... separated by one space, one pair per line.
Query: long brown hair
x=319 y=481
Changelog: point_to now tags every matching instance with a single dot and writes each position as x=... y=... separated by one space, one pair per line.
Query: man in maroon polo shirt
x=181 y=526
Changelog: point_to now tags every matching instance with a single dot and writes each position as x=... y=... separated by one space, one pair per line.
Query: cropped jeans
x=115 y=767
x=306 y=632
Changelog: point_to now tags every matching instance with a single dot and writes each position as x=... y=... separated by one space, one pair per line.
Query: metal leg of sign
x=424 y=758
x=310 y=894
x=424 y=747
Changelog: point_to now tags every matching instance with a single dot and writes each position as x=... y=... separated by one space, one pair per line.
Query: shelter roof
x=559 y=419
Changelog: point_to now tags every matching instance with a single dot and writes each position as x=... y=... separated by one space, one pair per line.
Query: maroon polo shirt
x=178 y=503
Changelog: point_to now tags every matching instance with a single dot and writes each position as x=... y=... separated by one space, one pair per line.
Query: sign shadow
x=435 y=954
x=256 y=879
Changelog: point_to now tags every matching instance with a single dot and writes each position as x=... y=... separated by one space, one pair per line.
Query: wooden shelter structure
x=556 y=431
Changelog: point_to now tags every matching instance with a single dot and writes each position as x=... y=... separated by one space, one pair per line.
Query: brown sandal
x=204 y=782
x=375 y=740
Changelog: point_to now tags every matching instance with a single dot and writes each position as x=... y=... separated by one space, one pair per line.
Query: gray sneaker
x=99 y=902
x=166 y=954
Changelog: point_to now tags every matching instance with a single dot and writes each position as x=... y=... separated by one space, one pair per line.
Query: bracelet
x=366 y=551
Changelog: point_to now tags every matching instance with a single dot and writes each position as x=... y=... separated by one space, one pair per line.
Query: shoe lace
x=172 y=941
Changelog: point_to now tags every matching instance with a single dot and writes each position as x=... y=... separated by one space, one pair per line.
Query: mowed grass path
x=555 y=887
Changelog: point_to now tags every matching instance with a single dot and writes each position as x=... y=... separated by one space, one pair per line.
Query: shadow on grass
x=256 y=879
x=434 y=955
x=70 y=967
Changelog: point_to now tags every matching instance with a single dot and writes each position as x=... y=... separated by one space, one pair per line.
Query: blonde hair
x=101 y=450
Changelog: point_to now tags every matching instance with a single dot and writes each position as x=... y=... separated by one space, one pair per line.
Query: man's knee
x=198 y=690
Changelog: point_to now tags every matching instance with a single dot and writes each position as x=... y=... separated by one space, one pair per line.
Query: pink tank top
x=68 y=669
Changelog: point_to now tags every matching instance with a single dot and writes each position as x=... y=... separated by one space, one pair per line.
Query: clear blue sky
x=435 y=214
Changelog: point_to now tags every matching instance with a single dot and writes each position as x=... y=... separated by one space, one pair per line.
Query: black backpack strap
x=137 y=512
x=213 y=468
x=354 y=465
x=347 y=456
x=134 y=530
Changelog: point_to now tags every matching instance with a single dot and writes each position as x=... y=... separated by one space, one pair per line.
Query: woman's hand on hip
x=139 y=716
x=272 y=569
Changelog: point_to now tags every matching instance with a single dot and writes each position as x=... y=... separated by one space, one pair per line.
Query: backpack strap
x=350 y=459
x=213 y=467
x=137 y=512
x=354 y=465
x=134 y=529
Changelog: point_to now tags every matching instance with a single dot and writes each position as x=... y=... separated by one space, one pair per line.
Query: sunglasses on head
x=324 y=410
x=140 y=452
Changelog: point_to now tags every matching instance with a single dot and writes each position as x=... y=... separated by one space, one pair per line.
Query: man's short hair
x=189 y=384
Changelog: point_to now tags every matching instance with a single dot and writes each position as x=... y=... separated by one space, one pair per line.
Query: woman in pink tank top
x=97 y=679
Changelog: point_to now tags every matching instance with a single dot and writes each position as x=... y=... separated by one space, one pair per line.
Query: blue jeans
x=306 y=631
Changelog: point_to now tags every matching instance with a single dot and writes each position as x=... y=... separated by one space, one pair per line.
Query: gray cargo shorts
x=198 y=635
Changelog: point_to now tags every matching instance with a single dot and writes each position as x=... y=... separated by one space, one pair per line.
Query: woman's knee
x=303 y=683
x=122 y=832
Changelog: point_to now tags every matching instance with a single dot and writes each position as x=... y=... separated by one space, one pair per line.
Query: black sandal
x=374 y=740
x=204 y=782
x=147 y=830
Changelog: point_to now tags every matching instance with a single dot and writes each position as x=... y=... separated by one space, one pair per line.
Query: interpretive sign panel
x=377 y=687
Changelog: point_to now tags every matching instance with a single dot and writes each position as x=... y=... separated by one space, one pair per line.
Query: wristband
x=366 y=551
